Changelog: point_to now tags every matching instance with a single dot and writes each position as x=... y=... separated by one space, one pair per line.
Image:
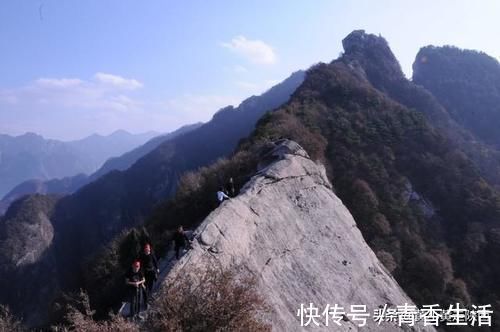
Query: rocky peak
x=360 y=41
x=369 y=52
x=289 y=229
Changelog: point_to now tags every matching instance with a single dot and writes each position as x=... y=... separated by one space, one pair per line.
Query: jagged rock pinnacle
x=369 y=50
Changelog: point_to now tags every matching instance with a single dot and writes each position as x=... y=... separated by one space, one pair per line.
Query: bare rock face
x=25 y=237
x=289 y=229
x=29 y=274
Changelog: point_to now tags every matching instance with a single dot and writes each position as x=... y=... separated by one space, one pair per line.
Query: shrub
x=209 y=300
x=387 y=259
x=8 y=322
x=79 y=318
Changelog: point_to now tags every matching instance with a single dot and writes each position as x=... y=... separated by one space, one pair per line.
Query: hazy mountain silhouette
x=30 y=156
x=70 y=184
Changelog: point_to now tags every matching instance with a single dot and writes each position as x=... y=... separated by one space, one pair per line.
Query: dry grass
x=8 y=323
x=209 y=300
x=79 y=318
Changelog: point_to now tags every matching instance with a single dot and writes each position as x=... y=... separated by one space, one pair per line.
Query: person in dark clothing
x=180 y=241
x=149 y=265
x=135 y=283
x=230 y=188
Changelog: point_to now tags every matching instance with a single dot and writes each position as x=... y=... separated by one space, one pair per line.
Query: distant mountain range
x=32 y=157
x=70 y=184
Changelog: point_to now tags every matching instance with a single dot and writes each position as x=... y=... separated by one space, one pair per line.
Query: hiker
x=221 y=195
x=180 y=241
x=135 y=281
x=231 y=189
x=149 y=264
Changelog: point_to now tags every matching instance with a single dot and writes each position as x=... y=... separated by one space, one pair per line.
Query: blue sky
x=72 y=68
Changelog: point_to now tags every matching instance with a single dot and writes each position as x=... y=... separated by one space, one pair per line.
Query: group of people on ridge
x=144 y=271
x=140 y=279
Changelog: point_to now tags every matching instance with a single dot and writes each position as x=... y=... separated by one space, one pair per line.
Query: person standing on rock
x=230 y=186
x=180 y=241
x=135 y=281
x=221 y=195
x=149 y=264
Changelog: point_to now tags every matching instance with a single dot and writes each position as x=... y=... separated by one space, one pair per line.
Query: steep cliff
x=289 y=229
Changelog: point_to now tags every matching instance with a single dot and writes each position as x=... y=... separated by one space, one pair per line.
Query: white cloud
x=166 y=115
x=103 y=92
x=69 y=108
x=255 y=51
x=118 y=81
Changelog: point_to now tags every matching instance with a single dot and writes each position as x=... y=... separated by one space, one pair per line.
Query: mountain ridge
x=418 y=199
